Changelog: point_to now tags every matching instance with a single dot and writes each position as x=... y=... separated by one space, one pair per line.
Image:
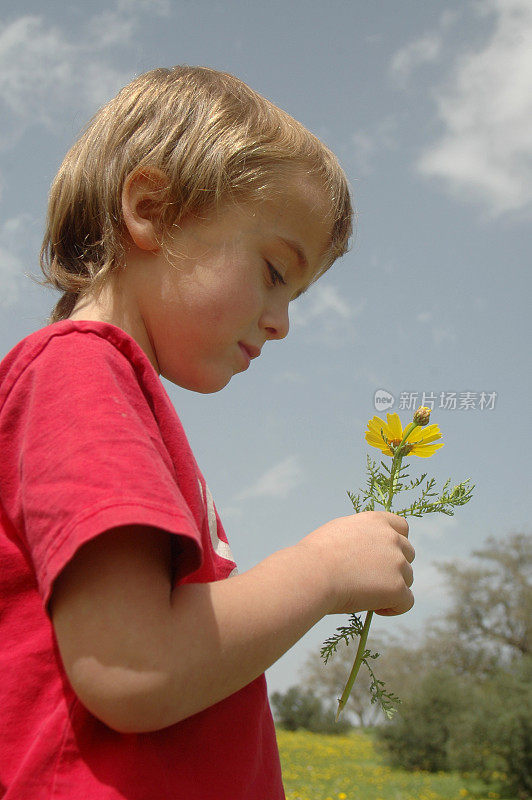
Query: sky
x=428 y=106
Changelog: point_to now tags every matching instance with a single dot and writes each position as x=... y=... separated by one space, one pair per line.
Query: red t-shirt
x=89 y=440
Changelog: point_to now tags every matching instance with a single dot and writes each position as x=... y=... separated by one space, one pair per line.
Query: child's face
x=224 y=289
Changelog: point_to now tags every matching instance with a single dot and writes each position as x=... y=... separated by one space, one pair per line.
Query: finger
x=408 y=550
x=402 y=608
x=398 y=523
x=408 y=575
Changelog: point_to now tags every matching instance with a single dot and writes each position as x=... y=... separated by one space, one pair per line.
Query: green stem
x=396 y=464
x=356 y=665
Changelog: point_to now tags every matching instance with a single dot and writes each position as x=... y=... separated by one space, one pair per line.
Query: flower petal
x=380 y=445
x=375 y=424
x=428 y=434
x=415 y=436
x=394 y=426
x=376 y=440
x=430 y=429
x=428 y=439
x=425 y=451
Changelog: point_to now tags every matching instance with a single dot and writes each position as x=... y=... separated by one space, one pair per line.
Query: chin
x=202 y=385
x=210 y=389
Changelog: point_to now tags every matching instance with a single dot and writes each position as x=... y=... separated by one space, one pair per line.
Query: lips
x=253 y=352
x=249 y=352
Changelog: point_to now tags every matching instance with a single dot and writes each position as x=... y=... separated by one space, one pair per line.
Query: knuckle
x=403 y=524
x=398 y=541
x=398 y=588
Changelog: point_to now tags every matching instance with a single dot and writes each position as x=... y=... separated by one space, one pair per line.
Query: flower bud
x=422 y=416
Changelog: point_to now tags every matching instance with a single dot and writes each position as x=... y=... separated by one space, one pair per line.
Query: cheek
x=237 y=304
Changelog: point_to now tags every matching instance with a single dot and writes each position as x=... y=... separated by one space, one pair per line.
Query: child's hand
x=365 y=561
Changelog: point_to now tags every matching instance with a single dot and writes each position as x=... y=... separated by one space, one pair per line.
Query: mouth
x=253 y=352
x=249 y=351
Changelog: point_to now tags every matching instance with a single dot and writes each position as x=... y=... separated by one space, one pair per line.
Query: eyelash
x=275 y=275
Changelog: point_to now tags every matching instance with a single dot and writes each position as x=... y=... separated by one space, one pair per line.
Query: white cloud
x=33 y=59
x=427 y=49
x=278 y=481
x=440 y=334
x=431 y=595
x=485 y=151
x=326 y=312
x=433 y=527
x=42 y=74
x=45 y=71
x=111 y=28
x=116 y=25
x=366 y=146
x=428 y=583
x=327 y=300
x=100 y=82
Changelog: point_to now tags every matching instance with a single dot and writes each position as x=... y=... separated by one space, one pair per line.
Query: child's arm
x=141 y=657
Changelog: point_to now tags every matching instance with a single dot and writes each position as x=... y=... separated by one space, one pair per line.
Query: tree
x=297 y=708
x=492 y=735
x=488 y=625
x=492 y=602
x=469 y=706
x=419 y=736
x=481 y=728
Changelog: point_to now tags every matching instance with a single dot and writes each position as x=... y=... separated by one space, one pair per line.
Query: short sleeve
x=83 y=453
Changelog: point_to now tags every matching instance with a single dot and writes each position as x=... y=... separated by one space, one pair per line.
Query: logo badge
x=383 y=400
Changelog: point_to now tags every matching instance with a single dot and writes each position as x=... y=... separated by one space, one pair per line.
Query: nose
x=275 y=322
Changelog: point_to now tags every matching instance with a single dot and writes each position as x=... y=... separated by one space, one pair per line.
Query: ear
x=144 y=192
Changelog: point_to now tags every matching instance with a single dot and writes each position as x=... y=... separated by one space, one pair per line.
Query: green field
x=319 y=767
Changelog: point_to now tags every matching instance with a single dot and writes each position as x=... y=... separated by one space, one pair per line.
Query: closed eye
x=275 y=275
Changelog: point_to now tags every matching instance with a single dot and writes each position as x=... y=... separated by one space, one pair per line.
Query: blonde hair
x=211 y=135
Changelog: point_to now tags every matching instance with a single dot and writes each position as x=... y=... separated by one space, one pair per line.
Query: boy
x=180 y=226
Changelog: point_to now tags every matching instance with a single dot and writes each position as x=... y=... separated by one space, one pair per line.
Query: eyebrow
x=301 y=259
x=298 y=250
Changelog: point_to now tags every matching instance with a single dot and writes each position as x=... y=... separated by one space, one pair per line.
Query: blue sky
x=429 y=108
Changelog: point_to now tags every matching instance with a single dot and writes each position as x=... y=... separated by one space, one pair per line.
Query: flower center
x=394 y=444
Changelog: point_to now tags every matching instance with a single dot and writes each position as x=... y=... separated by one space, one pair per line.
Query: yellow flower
x=419 y=443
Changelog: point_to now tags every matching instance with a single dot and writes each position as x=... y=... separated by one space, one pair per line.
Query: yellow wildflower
x=420 y=442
